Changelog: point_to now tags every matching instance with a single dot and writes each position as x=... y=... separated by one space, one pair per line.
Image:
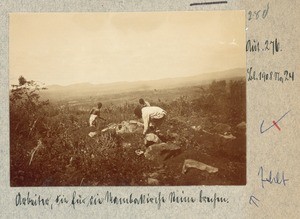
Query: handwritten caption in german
x=76 y=199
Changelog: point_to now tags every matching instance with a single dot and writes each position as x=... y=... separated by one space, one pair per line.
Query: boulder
x=224 y=139
x=92 y=134
x=196 y=128
x=154 y=175
x=228 y=136
x=151 y=138
x=161 y=151
x=222 y=128
x=139 y=152
x=241 y=126
x=153 y=182
x=189 y=163
x=131 y=126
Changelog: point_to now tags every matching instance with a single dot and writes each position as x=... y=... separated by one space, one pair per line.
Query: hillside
x=85 y=89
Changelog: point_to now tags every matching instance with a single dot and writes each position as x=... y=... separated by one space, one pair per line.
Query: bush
x=226 y=100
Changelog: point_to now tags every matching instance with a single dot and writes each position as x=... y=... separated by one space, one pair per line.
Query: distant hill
x=88 y=89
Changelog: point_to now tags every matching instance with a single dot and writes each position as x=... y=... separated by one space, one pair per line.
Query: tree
x=25 y=107
x=22 y=80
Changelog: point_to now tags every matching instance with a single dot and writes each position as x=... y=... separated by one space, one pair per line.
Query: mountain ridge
x=86 y=88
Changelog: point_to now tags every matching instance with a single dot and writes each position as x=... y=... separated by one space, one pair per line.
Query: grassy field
x=50 y=145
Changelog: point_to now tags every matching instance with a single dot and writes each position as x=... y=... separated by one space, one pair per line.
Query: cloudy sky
x=67 y=48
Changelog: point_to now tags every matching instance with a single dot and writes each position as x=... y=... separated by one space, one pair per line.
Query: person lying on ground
x=151 y=115
x=143 y=102
x=95 y=115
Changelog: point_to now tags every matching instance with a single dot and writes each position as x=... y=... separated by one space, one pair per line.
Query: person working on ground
x=151 y=115
x=143 y=102
x=95 y=115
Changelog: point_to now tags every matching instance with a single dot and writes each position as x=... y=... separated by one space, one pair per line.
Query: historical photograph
x=127 y=99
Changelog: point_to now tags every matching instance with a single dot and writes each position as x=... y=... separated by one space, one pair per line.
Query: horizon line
x=122 y=81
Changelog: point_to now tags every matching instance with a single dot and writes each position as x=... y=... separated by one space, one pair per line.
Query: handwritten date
x=253 y=75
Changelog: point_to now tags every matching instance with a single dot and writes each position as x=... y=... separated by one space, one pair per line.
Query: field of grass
x=50 y=145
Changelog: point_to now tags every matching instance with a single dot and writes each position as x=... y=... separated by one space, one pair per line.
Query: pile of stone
x=131 y=126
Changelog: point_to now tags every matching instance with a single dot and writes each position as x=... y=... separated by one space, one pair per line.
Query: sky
x=68 y=48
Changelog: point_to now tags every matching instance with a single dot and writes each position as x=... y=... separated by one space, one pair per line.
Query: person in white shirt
x=151 y=115
x=143 y=102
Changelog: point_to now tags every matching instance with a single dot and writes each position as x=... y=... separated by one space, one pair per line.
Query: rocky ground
x=183 y=154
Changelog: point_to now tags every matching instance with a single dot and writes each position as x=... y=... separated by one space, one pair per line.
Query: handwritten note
x=77 y=199
x=279 y=178
x=268 y=47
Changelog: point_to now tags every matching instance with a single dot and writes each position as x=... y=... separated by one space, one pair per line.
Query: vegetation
x=50 y=145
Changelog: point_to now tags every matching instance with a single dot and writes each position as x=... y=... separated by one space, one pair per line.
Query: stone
x=131 y=126
x=153 y=182
x=154 y=175
x=207 y=132
x=241 y=126
x=92 y=134
x=222 y=128
x=196 y=128
x=139 y=152
x=161 y=151
x=126 y=145
x=174 y=135
x=189 y=163
x=228 y=136
x=224 y=139
x=151 y=138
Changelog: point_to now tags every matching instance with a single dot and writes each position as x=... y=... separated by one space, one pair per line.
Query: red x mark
x=276 y=125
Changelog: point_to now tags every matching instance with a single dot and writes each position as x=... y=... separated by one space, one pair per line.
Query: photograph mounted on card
x=127 y=99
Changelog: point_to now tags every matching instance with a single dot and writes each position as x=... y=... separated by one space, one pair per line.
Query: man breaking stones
x=152 y=116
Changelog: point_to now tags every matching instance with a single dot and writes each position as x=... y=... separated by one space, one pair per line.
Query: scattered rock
x=196 y=128
x=189 y=163
x=160 y=168
x=222 y=140
x=207 y=132
x=241 y=126
x=139 y=152
x=151 y=138
x=126 y=145
x=228 y=136
x=222 y=128
x=92 y=134
x=152 y=181
x=161 y=151
x=154 y=175
x=131 y=126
